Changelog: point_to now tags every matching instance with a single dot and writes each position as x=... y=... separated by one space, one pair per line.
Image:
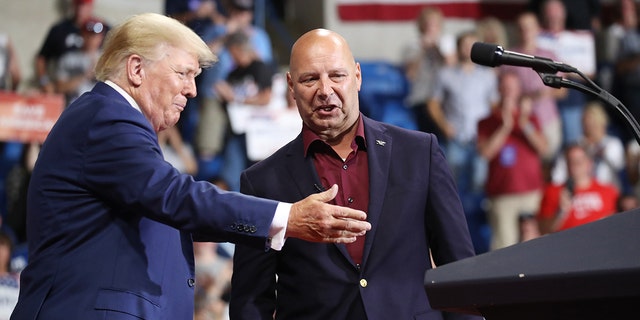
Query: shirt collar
x=124 y=94
x=309 y=137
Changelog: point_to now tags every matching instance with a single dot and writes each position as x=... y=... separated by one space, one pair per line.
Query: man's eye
x=186 y=74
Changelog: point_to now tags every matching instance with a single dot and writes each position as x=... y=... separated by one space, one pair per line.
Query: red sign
x=28 y=118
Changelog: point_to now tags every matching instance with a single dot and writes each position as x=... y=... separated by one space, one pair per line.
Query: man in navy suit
x=110 y=223
x=399 y=177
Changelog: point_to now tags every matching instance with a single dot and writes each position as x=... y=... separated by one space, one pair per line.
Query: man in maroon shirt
x=399 y=177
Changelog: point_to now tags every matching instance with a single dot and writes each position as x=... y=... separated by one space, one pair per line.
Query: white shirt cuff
x=279 y=226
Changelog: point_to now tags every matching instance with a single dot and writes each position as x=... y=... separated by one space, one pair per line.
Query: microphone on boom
x=492 y=55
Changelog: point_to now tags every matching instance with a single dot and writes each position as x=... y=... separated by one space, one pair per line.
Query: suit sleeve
x=446 y=222
x=253 y=283
x=123 y=164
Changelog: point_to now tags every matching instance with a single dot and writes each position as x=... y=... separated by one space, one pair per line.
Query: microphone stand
x=555 y=81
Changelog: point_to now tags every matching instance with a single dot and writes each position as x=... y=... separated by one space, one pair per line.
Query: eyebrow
x=331 y=71
x=187 y=69
x=307 y=74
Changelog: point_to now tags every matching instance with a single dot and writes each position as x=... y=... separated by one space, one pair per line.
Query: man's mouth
x=328 y=108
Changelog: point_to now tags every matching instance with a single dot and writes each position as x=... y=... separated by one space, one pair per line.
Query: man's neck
x=341 y=144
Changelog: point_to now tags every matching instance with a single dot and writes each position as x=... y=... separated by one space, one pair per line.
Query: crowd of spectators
x=528 y=131
x=521 y=152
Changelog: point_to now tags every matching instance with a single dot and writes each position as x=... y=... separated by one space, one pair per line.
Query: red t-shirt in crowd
x=589 y=204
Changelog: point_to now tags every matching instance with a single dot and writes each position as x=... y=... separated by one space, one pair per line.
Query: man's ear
x=289 y=81
x=135 y=70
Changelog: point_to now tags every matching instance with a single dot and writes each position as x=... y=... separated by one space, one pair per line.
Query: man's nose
x=325 y=88
x=189 y=89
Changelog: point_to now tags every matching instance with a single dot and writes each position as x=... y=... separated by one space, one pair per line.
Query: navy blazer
x=414 y=208
x=110 y=223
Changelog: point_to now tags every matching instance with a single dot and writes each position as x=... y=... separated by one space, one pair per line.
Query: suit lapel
x=379 y=145
x=303 y=172
x=300 y=169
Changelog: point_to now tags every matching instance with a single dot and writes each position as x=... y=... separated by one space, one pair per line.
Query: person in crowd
x=543 y=98
x=10 y=74
x=583 y=14
x=9 y=280
x=17 y=183
x=74 y=75
x=249 y=83
x=399 y=176
x=606 y=151
x=491 y=30
x=213 y=275
x=464 y=93
x=511 y=140
x=110 y=223
x=579 y=200
x=627 y=64
x=213 y=268
x=62 y=37
x=576 y=48
x=212 y=123
x=625 y=23
x=210 y=130
x=196 y=14
x=10 y=78
x=240 y=18
x=630 y=197
x=422 y=61
x=200 y=16
x=627 y=201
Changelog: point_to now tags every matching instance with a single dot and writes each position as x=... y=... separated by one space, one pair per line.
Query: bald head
x=318 y=43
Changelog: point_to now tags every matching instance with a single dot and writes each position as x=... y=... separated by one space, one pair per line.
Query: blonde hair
x=144 y=35
x=597 y=111
x=492 y=30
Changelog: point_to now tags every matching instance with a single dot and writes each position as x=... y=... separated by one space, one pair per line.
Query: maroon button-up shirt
x=351 y=175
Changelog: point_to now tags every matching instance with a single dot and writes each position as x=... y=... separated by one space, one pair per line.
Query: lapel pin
x=381 y=143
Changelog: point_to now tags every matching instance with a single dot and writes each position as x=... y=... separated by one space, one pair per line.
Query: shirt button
x=363 y=283
x=345 y=167
x=350 y=200
x=191 y=282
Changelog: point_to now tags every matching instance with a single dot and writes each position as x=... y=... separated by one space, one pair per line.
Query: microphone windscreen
x=484 y=54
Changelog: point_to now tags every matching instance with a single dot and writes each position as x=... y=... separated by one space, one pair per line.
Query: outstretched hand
x=312 y=219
